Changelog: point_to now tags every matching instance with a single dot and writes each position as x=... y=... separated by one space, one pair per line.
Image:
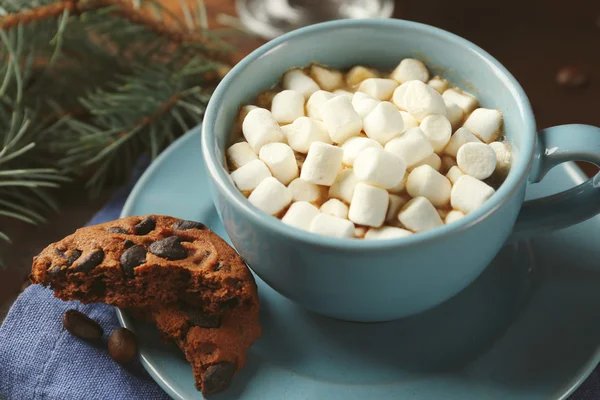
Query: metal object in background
x=271 y=18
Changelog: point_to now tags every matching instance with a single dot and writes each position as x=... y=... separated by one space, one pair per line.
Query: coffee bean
x=90 y=262
x=218 y=377
x=131 y=258
x=202 y=319
x=183 y=225
x=117 y=229
x=571 y=76
x=82 y=326
x=122 y=345
x=169 y=248
x=145 y=226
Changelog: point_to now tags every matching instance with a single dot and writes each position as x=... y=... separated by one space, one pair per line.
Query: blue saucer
x=527 y=328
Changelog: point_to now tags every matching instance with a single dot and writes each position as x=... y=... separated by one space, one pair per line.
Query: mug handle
x=556 y=145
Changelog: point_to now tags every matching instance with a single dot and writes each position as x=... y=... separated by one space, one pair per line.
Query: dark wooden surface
x=533 y=39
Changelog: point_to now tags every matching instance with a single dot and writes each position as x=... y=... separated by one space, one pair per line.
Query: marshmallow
x=437 y=130
x=297 y=80
x=363 y=103
x=477 y=160
x=447 y=163
x=343 y=188
x=260 y=128
x=360 y=232
x=340 y=118
x=454 y=114
x=281 y=160
x=300 y=215
x=439 y=84
x=355 y=145
x=434 y=161
x=271 y=196
x=467 y=102
x=412 y=146
x=394 y=206
x=341 y=92
x=469 y=193
x=336 y=208
x=379 y=168
x=240 y=154
x=378 y=88
x=383 y=123
x=322 y=164
x=485 y=123
x=503 y=156
x=305 y=191
x=419 y=215
x=410 y=69
x=453 y=216
x=409 y=121
x=244 y=110
x=454 y=174
x=326 y=78
x=460 y=137
x=329 y=225
x=421 y=100
x=306 y=131
x=315 y=102
x=386 y=232
x=250 y=175
x=399 y=188
x=369 y=205
x=287 y=106
x=358 y=74
x=427 y=182
x=398 y=96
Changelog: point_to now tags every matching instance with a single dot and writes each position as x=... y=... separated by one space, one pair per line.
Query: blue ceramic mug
x=363 y=280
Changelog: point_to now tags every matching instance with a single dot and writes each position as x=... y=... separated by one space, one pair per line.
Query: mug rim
x=507 y=189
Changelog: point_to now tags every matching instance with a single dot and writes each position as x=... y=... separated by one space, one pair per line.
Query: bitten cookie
x=176 y=273
x=215 y=345
x=146 y=261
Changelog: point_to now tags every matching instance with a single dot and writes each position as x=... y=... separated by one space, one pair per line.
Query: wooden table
x=532 y=38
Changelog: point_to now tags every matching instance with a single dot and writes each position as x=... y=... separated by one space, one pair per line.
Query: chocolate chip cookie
x=176 y=273
x=146 y=261
x=215 y=345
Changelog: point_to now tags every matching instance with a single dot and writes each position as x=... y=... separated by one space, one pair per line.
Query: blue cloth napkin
x=39 y=360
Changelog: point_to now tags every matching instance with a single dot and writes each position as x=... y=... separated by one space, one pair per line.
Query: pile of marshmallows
x=376 y=153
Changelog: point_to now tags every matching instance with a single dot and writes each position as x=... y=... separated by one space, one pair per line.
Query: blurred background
x=552 y=48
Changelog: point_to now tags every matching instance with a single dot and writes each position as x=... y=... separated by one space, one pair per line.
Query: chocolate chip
x=571 y=76
x=197 y=317
x=183 y=225
x=169 y=248
x=145 y=226
x=218 y=267
x=218 y=377
x=117 y=229
x=82 y=326
x=128 y=243
x=122 y=345
x=71 y=258
x=90 y=262
x=131 y=258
